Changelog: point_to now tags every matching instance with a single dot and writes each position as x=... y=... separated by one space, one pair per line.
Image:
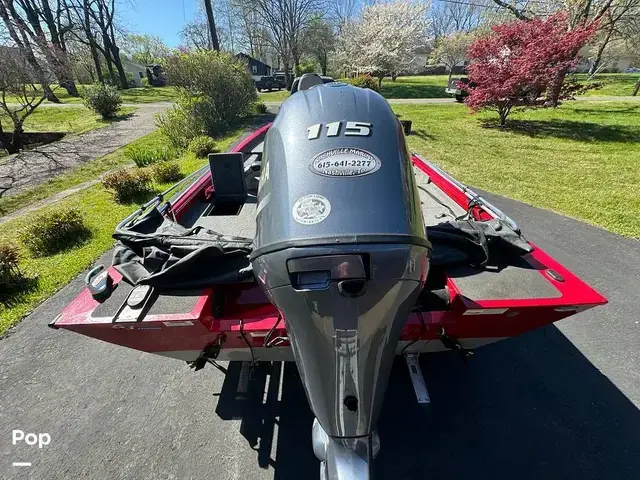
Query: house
x=619 y=63
x=135 y=72
x=256 y=68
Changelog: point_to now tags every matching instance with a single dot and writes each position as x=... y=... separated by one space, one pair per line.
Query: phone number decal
x=345 y=162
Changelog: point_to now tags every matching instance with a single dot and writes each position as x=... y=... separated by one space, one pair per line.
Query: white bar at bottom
x=420 y=387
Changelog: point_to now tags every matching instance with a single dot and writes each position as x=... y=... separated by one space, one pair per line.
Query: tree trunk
x=113 y=58
x=553 y=95
x=92 y=41
x=380 y=81
x=450 y=75
x=70 y=87
x=212 y=25
x=16 y=142
x=287 y=76
x=107 y=57
x=394 y=76
x=636 y=89
x=323 y=64
x=124 y=83
x=48 y=93
x=4 y=140
x=598 y=59
x=503 y=111
x=296 y=60
x=96 y=60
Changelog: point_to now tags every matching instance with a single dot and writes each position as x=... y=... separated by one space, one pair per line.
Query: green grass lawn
x=432 y=86
x=423 y=86
x=131 y=95
x=275 y=96
x=101 y=213
x=69 y=119
x=614 y=84
x=580 y=160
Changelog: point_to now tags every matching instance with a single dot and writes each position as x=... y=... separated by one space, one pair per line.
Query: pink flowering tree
x=518 y=63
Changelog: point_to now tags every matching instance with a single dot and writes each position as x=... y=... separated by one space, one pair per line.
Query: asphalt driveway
x=32 y=167
x=557 y=403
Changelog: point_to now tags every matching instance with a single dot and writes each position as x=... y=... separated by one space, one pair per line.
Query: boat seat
x=228 y=177
x=309 y=80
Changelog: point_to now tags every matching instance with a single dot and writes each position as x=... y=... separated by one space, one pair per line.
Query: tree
x=17 y=87
x=320 y=41
x=145 y=49
x=285 y=22
x=580 y=13
x=383 y=41
x=97 y=19
x=448 y=18
x=616 y=25
x=82 y=62
x=195 y=36
x=633 y=45
x=518 y=62
x=249 y=33
x=39 y=25
x=22 y=42
x=452 y=50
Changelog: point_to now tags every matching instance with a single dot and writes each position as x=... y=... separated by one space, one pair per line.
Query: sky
x=164 y=18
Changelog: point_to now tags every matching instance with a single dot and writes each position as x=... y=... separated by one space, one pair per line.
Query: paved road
x=557 y=403
x=30 y=168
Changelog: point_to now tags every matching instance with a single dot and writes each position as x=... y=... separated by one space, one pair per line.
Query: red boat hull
x=239 y=317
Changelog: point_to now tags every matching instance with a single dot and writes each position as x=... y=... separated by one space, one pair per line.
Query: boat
x=319 y=239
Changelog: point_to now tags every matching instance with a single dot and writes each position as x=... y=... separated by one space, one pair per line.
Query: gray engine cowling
x=341 y=248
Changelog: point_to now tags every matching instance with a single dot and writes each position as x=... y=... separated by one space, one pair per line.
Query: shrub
x=103 y=99
x=180 y=123
x=145 y=156
x=203 y=105
x=201 y=146
x=12 y=279
x=145 y=82
x=365 y=81
x=9 y=270
x=128 y=185
x=541 y=52
x=54 y=231
x=260 y=108
x=165 y=172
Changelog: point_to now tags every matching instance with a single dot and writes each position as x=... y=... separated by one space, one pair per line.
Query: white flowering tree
x=451 y=51
x=385 y=39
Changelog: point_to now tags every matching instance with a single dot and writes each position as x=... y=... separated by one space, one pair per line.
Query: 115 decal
x=356 y=129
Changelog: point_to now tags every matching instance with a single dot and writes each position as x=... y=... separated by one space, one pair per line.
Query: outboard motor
x=341 y=251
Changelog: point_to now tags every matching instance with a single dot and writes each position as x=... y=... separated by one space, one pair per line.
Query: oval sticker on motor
x=345 y=162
